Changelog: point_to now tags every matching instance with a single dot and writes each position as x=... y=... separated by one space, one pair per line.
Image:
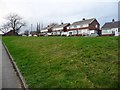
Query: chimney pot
x=83 y=18
x=113 y=20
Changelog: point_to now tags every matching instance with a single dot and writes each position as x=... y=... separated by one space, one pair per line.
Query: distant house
x=111 y=28
x=84 y=27
x=60 y=29
x=33 y=33
x=11 y=33
x=46 y=31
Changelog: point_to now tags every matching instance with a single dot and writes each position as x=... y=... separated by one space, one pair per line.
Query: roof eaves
x=92 y=20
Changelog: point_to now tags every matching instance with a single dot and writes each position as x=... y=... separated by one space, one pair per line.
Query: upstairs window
x=75 y=26
x=96 y=26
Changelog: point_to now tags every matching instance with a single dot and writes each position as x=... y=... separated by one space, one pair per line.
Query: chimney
x=113 y=20
x=83 y=18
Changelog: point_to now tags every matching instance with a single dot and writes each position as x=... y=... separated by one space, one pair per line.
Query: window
x=70 y=33
x=75 y=26
x=96 y=26
x=113 y=32
x=74 y=32
x=118 y=29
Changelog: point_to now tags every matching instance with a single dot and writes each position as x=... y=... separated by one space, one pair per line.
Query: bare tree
x=14 y=22
x=5 y=27
x=38 y=28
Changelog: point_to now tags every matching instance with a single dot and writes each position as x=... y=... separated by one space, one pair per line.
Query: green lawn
x=62 y=62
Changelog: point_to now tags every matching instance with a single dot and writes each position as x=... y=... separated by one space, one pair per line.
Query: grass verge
x=62 y=62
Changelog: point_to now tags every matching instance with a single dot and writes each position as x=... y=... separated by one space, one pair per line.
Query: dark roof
x=109 y=25
x=10 y=33
x=61 y=25
x=49 y=27
x=87 y=21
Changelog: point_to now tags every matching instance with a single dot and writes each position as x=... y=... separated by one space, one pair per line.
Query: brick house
x=11 y=33
x=46 y=31
x=60 y=29
x=84 y=27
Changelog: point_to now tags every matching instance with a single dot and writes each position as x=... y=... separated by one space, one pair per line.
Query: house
x=11 y=33
x=46 y=31
x=60 y=29
x=111 y=28
x=84 y=27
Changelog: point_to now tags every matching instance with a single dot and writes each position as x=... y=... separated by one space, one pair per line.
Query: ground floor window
x=70 y=33
x=113 y=32
x=118 y=29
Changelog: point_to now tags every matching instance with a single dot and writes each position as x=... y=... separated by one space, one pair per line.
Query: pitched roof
x=87 y=21
x=44 y=28
x=110 y=25
x=49 y=27
x=61 y=25
x=10 y=33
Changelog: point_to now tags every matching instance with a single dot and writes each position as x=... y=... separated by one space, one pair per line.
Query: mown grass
x=66 y=62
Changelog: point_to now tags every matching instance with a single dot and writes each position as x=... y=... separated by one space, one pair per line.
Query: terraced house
x=46 y=31
x=111 y=28
x=85 y=27
x=60 y=29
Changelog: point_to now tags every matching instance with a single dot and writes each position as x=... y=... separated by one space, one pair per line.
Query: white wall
x=85 y=31
x=65 y=33
x=49 y=34
x=71 y=32
x=45 y=30
x=56 y=29
x=78 y=26
x=56 y=33
x=93 y=31
x=74 y=32
x=110 y=31
x=116 y=31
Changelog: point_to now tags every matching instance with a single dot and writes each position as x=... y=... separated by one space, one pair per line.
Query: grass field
x=66 y=62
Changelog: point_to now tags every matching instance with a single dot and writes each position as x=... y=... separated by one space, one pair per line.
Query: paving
x=0 y=64
x=9 y=77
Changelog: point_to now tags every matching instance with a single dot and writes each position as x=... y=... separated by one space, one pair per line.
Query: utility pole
x=31 y=28
x=39 y=28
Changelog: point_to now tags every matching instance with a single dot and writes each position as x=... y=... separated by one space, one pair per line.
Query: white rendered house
x=111 y=28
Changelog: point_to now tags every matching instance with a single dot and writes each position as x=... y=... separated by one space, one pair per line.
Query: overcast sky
x=47 y=11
